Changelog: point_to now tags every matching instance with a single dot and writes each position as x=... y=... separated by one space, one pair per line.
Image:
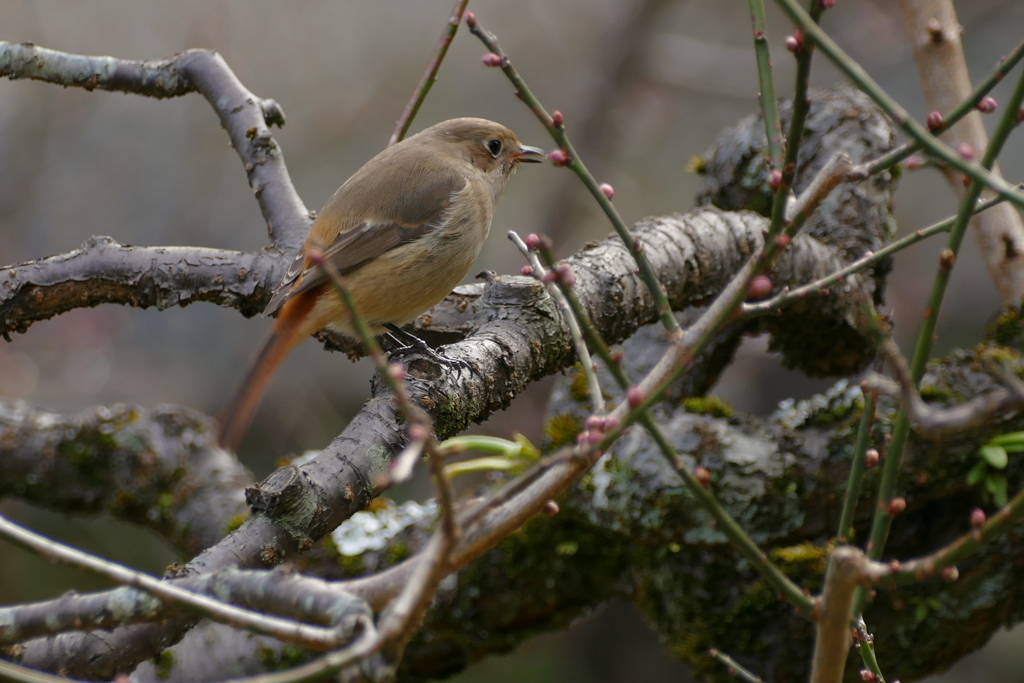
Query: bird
x=403 y=230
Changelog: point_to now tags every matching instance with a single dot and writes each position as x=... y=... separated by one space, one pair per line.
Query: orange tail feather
x=283 y=337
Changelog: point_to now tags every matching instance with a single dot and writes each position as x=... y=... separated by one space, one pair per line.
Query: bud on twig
x=702 y=476
x=558 y=157
x=795 y=42
x=871 y=458
x=759 y=288
x=565 y=275
x=987 y=105
x=947 y=259
x=896 y=506
x=396 y=371
x=634 y=396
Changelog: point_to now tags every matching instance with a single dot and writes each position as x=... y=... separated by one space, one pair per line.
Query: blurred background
x=643 y=85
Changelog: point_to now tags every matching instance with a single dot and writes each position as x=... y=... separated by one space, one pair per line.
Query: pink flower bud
x=491 y=59
x=759 y=288
x=703 y=477
x=987 y=105
x=557 y=120
x=947 y=259
x=934 y=121
x=526 y=270
x=607 y=190
x=795 y=42
x=913 y=163
x=871 y=458
x=558 y=157
x=896 y=506
x=634 y=396
x=532 y=241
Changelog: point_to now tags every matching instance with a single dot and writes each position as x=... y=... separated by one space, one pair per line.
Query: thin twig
x=858 y=464
x=430 y=74
x=283 y=629
x=832 y=634
x=926 y=334
x=734 y=667
x=821 y=286
x=896 y=112
x=586 y=363
x=970 y=104
x=554 y=123
x=766 y=97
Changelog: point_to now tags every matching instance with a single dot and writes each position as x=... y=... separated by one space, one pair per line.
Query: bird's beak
x=533 y=155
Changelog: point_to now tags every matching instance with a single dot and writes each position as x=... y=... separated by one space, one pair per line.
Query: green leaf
x=977 y=473
x=920 y=612
x=994 y=455
x=1013 y=441
x=999 y=496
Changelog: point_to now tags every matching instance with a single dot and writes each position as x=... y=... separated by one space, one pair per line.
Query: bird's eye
x=494 y=147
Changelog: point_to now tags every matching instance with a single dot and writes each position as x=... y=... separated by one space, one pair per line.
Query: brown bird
x=403 y=231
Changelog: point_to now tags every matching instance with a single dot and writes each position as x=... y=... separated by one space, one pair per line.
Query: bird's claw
x=403 y=343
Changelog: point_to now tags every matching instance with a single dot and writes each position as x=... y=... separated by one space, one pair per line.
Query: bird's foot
x=403 y=343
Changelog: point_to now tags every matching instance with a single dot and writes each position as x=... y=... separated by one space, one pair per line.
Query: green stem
x=769 y=104
x=963 y=109
x=726 y=524
x=858 y=467
x=557 y=131
x=896 y=112
x=801 y=105
x=818 y=286
x=430 y=74
x=926 y=335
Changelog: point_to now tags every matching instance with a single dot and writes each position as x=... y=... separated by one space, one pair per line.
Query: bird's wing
x=369 y=239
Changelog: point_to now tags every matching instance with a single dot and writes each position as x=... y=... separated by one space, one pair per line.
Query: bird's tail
x=283 y=337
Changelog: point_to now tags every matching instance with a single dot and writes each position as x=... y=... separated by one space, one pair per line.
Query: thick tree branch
x=150 y=465
x=244 y=116
x=518 y=338
x=934 y=33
